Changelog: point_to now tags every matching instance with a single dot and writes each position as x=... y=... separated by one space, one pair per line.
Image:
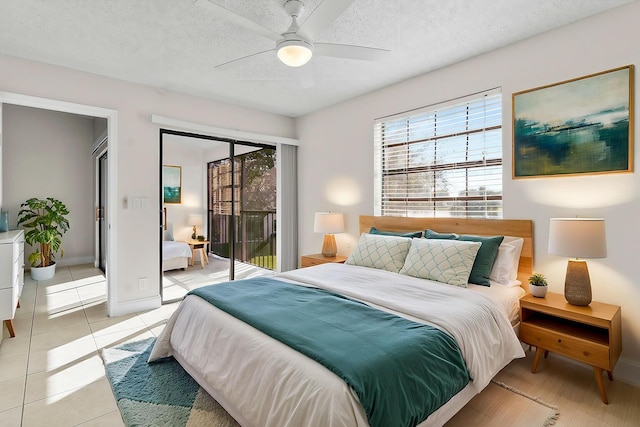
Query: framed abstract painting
x=579 y=126
x=172 y=184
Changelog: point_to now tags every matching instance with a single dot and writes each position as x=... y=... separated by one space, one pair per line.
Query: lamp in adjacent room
x=195 y=220
x=577 y=238
x=328 y=223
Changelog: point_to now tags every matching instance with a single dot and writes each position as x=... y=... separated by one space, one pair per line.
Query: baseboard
x=626 y=370
x=135 y=306
x=65 y=262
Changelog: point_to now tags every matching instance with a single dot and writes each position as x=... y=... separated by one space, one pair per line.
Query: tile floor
x=51 y=373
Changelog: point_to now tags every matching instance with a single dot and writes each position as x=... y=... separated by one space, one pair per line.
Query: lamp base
x=195 y=233
x=577 y=284
x=329 y=247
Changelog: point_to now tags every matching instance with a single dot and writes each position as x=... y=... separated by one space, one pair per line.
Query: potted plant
x=44 y=221
x=538 y=285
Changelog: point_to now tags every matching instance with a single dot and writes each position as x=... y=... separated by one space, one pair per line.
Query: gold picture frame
x=575 y=127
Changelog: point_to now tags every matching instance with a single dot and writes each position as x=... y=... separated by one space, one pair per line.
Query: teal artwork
x=172 y=184
x=580 y=126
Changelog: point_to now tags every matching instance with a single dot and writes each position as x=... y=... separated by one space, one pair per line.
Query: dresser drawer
x=587 y=351
x=8 y=303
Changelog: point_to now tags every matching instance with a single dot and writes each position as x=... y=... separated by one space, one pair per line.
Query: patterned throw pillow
x=446 y=261
x=382 y=252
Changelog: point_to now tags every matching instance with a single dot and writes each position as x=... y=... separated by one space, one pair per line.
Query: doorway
x=229 y=214
x=111 y=129
x=101 y=211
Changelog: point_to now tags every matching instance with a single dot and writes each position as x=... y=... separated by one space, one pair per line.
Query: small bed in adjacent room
x=175 y=255
x=311 y=346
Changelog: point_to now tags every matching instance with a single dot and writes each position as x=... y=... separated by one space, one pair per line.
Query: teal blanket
x=400 y=370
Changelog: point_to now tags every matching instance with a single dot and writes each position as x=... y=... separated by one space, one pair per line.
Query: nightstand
x=591 y=334
x=198 y=247
x=317 y=259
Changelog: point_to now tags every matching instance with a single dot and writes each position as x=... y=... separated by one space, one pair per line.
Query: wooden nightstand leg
x=536 y=359
x=610 y=375
x=603 y=392
x=201 y=251
x=9 y=323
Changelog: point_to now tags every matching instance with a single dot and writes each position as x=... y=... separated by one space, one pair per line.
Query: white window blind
x=444 y=160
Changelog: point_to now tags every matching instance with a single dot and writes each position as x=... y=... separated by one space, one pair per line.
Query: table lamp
x=577 y=238
x=195 y=220
x=328 y=223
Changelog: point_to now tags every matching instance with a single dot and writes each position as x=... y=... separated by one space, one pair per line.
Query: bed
x=262 y=382
x=175 y=255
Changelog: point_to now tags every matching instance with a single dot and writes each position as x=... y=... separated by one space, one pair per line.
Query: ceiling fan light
x=294 y=53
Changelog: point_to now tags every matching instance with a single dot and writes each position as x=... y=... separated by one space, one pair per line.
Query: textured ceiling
x=175 y=44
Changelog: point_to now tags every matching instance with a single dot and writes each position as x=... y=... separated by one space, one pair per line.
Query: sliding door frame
x=232 y=143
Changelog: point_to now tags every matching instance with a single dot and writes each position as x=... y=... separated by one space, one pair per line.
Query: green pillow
x=484 y=259
x=430 y=234
x=411 y=234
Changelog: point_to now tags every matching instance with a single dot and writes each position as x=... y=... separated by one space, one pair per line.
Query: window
x=441 y=161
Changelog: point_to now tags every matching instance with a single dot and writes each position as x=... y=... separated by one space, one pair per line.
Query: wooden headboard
x=482 y=227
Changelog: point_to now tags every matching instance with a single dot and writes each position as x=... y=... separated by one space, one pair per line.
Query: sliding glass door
x=242 y=205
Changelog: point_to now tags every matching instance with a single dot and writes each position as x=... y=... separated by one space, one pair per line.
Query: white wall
x=137 y=154
x=336 y=158
x=48 y=154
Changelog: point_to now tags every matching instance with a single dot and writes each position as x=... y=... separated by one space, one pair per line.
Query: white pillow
x=505 y=267
x=379 y=251
x=167 y=235
x=446 y=261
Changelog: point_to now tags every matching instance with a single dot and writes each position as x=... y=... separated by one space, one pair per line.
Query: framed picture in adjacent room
x=578 y=126
x=172 y=184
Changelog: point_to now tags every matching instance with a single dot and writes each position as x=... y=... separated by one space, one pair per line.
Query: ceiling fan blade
x=322 y=17
x=234 y=62
x=231 y=16
x=350 y=51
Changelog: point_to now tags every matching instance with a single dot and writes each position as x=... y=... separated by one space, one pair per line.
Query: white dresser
x=11 y=275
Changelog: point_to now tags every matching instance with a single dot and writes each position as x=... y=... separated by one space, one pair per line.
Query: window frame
x=383 y=160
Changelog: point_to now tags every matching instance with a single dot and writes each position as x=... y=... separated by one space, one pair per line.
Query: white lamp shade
x=294 y=53
x=194 y=219
x=577 y=237
x=328 y=223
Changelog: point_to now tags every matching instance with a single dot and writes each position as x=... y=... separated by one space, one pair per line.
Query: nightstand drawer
x=308 y=262
x=589 y=352
x=317 y=259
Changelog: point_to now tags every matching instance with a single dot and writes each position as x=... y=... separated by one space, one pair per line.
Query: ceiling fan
x=297 y=44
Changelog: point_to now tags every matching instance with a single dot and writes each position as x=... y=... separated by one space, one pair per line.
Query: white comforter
x=262 y=382
x=172 y=249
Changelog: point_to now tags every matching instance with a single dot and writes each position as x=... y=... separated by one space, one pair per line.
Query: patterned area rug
x=160 y=393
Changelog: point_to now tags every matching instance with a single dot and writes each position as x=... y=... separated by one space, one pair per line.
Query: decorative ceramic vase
x=538 y=291
x=4 y=221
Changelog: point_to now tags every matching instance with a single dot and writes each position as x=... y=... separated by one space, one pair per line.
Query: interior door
x=102 y=212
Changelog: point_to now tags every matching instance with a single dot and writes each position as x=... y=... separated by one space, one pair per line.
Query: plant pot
x=43 y=273
x=538 y=291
